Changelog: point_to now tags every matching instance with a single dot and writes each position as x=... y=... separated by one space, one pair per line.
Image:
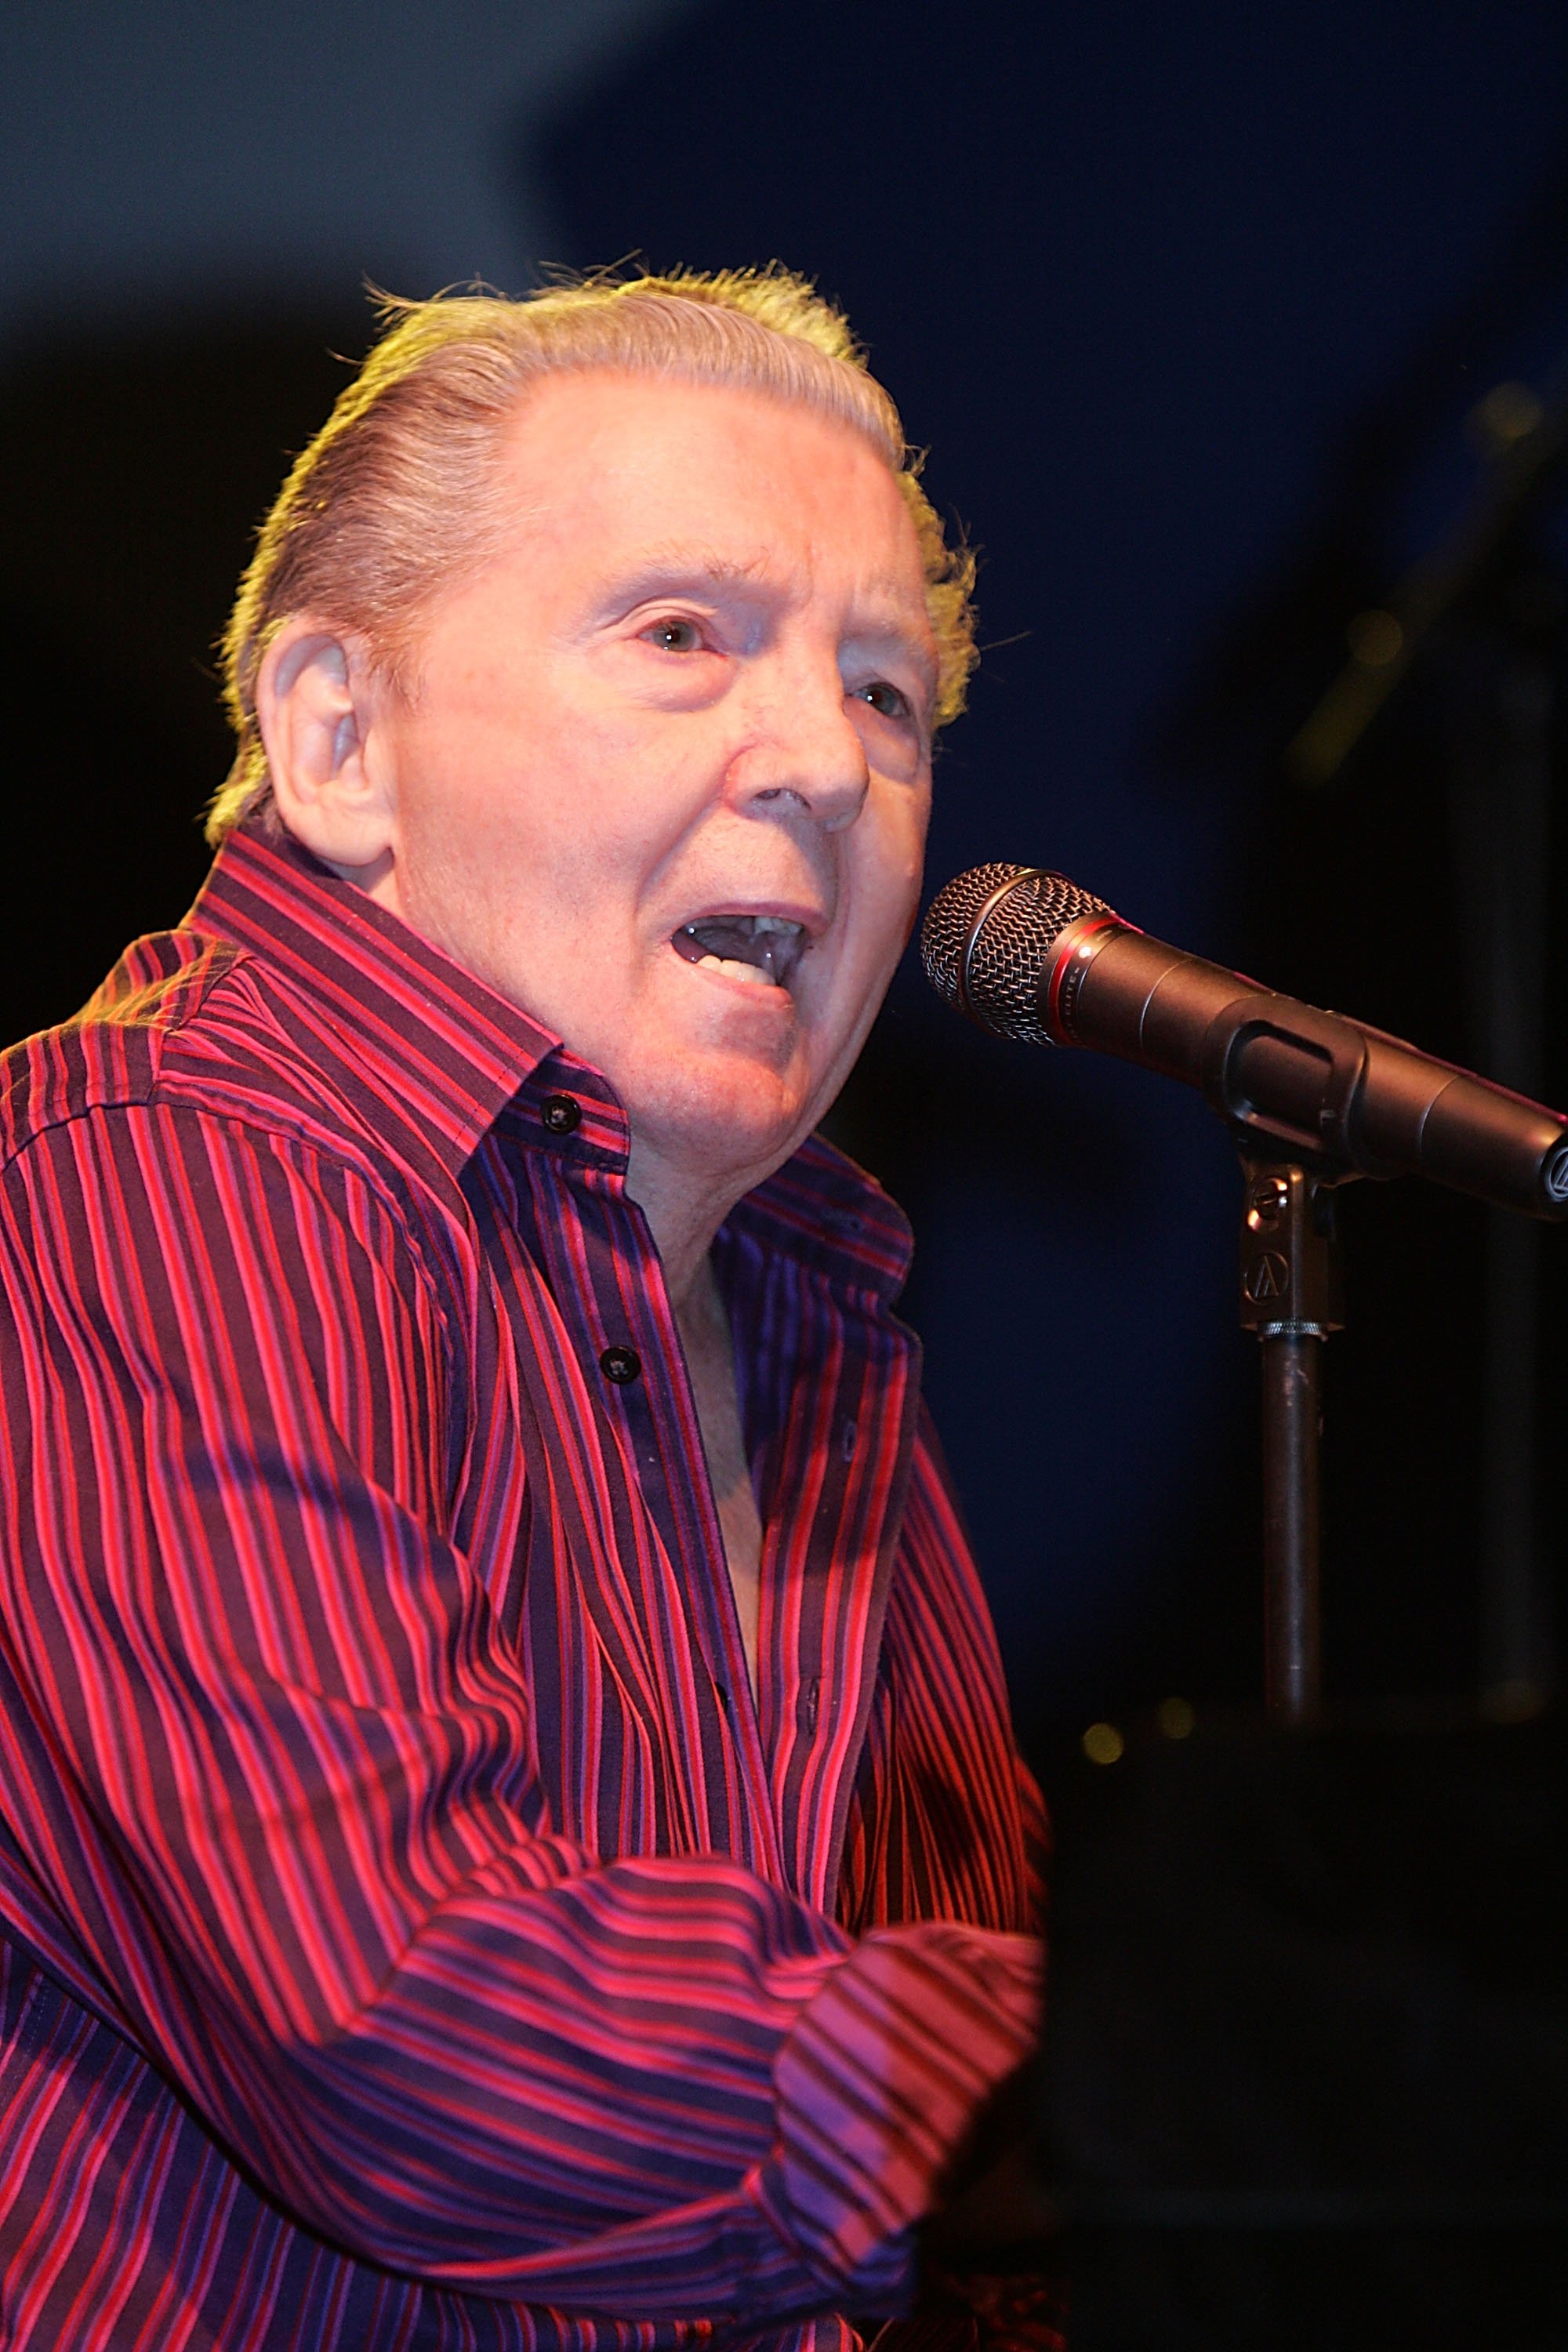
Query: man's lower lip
x=762 y=992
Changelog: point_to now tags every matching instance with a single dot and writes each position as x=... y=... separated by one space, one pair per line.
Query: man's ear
x=317 y=700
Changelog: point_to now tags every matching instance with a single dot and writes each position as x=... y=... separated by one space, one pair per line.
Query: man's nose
x=804 y=754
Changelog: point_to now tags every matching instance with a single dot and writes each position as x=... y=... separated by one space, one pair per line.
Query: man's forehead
x=647 y=485
x=692 y=462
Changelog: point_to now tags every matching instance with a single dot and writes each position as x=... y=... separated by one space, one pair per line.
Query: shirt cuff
x=878 y=2085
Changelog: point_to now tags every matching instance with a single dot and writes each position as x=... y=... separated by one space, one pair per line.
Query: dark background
x=1195 y=307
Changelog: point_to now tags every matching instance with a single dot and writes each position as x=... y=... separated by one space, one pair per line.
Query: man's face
x=663 y=777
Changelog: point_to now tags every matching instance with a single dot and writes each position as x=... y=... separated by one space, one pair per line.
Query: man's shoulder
x=111 y=1052
x=185 y=1021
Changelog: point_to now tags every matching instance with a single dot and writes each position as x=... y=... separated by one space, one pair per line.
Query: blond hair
x=394 y=500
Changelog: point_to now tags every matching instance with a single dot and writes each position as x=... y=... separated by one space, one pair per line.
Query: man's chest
x=581 y=1492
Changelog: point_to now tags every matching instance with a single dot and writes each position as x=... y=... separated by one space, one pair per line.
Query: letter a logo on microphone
x=1267 y=1277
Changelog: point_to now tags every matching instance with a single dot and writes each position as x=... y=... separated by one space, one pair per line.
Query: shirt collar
x=831 y=1217
x=444 y=1055
x=443 y=1052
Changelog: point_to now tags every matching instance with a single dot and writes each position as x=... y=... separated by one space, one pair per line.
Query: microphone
x=1028 y=954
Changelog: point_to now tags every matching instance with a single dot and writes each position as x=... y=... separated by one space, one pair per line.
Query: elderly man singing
x=510 y=1835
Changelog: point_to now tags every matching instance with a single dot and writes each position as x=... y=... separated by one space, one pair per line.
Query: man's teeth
x=763 y=979
x=762 y=949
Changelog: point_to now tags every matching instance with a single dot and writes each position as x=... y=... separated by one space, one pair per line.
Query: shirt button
x=620 y=1365
x=561 y=1114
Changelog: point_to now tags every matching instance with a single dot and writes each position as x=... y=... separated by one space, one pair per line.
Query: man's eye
x=887 y=699
x=674 y=635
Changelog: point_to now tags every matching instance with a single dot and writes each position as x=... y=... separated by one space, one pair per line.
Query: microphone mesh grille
x=1006 y=966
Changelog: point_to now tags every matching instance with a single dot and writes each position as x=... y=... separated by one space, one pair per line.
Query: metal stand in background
x=1291 y=1295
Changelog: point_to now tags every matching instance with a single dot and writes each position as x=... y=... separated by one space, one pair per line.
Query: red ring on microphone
x=1059 y=1022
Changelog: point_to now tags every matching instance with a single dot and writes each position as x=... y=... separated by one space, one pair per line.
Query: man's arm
x=291 y=1819
x=964 y=1834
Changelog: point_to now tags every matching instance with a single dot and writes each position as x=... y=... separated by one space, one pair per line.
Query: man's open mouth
x=762 y=949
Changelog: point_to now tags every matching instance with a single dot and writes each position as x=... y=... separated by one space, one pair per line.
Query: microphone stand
x=1293 y=1296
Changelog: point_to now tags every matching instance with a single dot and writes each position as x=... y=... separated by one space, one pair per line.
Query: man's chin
x=721 y=1115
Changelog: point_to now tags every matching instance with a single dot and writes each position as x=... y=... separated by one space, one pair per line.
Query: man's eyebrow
x=890 y=632
x=679 y=561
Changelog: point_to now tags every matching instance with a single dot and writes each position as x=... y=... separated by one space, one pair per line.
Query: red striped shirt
x=411 y=1934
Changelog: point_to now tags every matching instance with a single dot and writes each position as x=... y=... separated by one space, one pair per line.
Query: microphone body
x=1028 y=954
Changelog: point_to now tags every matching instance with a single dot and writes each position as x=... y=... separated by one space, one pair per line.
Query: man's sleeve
x=265 y=1746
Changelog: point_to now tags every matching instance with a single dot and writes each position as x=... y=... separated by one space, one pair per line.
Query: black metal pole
x=1290 y=1296
x=1292 y=1523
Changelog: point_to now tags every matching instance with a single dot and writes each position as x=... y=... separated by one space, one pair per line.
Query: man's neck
x=683 y=1214
x=683 y=1217
x=704 y=1328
